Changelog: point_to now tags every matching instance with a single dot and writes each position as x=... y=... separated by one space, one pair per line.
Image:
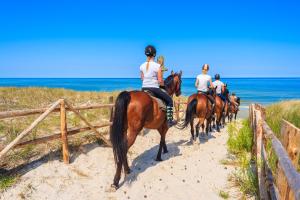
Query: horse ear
x=172 y=72
x=180 y=73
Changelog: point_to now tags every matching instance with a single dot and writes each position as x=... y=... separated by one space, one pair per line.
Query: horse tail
x=190 y=112
x=118 y=129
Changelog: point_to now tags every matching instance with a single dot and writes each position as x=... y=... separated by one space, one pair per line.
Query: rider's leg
x=169 y=101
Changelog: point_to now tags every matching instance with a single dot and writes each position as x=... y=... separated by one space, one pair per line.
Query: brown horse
x=198 y=106
x=219 y=108
x=134 y=111
x=233 y=110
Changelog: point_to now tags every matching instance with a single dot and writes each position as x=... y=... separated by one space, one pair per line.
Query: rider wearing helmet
x=202 y=82
x=151 y=75
x=219 y=85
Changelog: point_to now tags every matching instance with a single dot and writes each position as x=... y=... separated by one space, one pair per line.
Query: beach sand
x=191 y=170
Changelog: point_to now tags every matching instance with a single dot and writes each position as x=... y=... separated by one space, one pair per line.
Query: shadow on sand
x=147 y=159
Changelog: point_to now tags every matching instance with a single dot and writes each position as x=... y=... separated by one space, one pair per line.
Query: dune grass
x=30 y=98
x=288 y=110
x=239 y=144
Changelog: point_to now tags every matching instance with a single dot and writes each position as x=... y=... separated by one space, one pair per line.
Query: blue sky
x=247 y=38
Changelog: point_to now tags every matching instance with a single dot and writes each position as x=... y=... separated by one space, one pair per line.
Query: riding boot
x=170 y=120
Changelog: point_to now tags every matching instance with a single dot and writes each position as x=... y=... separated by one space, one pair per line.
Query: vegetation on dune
x=288 y=110
x=7 y=181
x=31 y=98
x=239 y=144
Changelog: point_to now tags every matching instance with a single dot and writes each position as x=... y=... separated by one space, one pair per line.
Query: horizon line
x=137 y=77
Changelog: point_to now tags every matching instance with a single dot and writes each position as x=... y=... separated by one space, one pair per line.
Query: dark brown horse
x=198 y=106
x=233 y=110
x=219 y=108
x=134 y=111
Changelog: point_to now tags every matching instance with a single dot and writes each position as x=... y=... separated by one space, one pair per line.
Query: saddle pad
x=161 y=103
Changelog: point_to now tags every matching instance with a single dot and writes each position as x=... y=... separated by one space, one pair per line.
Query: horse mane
x=168 y=81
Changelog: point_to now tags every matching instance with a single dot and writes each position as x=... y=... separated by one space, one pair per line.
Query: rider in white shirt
x=151 y=75
x=203 y=81
x=220 y=87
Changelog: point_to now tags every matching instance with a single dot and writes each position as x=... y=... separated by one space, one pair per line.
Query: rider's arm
x=160 y=77
x=142 y=75
x=196 y=83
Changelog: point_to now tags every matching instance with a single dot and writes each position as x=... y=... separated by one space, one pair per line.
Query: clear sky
x=59 y=38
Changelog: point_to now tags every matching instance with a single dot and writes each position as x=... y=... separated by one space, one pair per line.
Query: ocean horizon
x=263 y=90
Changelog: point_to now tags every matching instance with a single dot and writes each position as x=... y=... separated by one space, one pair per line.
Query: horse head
x=173 y=83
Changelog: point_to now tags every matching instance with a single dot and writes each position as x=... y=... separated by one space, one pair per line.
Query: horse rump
x=189 y=114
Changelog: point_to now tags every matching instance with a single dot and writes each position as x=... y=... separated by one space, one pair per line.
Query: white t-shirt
x=203 y=82
x=219 y=85
x=150 y=75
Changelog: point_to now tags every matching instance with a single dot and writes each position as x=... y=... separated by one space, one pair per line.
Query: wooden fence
x=285 y=182
x=63 y=106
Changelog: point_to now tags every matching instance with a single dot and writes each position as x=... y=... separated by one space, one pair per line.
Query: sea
x=259 y=90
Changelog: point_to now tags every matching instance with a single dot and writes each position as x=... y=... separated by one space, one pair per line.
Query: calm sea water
x=260 y=90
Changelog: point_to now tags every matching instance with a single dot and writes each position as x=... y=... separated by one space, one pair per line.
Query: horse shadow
x=147 y=159
x=203 y=138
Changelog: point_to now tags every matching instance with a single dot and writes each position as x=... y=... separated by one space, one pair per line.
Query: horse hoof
x=113 y=188
x=159 y=159
x=166 y=152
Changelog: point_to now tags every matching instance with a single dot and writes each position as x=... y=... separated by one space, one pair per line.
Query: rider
x=220 y=87
x=202 y=82
x=151 y=75
x=226 y=92
x=233 y=100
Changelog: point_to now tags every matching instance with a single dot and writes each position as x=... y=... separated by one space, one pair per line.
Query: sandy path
x=189 y=171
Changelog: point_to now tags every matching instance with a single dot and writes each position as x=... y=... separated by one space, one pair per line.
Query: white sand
x=189 y=171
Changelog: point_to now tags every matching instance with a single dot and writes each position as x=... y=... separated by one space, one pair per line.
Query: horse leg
x=235 y=116
x=192 y=129
x=208 y=122
x=162 y=130
x=165 y=149
x=213 y=121
x=131 y=136
x=197 y=128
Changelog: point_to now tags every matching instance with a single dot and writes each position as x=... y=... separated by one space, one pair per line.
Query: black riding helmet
x=217 y=76
x=150 y=51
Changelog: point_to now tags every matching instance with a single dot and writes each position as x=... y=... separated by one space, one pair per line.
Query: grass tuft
x=240 y=143
x=223 y=194
x=7 y=181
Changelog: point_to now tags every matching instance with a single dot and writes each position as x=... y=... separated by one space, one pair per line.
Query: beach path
x=191 y=170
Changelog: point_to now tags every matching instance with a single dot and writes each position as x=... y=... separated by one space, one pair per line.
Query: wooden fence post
x=64 y=132
x=111 y=100
x=290 y=139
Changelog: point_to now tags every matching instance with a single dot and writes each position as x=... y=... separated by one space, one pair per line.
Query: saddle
x=161 y=104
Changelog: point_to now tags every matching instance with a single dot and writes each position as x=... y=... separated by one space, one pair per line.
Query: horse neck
x=170 y=90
